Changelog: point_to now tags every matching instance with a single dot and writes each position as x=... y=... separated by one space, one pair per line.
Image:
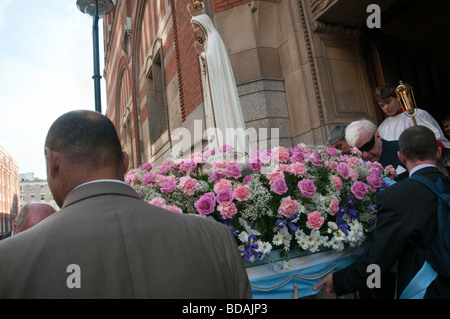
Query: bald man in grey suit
x=106 y=242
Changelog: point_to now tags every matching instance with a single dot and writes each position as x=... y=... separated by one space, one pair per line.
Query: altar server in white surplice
x=223 y=113
x=397 y=120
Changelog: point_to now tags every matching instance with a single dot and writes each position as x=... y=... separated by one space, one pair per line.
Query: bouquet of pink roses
x=304 y=197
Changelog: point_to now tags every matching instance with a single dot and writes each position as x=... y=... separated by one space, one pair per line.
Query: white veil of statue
x=223 y=113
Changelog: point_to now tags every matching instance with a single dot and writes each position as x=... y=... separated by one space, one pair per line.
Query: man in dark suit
x=106 y=242
x=6 y=235
x=406 y=220
x=363 y=135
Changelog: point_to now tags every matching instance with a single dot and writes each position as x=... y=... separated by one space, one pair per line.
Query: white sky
x=46 y=68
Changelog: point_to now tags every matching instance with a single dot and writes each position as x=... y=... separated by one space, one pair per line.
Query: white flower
x=286 y=265
x=336 y=244
x=243 y=237
x=264 y=247
x=339 y=235
x=299 y=234
x=277 y=239
x=332 y=227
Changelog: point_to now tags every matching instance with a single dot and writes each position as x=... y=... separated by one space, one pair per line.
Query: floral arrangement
x=305 y=197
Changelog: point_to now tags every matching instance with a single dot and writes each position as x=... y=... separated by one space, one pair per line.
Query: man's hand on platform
x=327 y=282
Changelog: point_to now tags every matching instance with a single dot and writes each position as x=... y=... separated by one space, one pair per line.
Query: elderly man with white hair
x=363 y=135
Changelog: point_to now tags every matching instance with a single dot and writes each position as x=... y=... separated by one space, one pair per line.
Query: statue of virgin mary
x=223 y=113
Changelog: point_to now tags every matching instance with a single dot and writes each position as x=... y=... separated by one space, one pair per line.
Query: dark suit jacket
x=406 y=219
x=125 y=248
x=6 y=235
x=389 y=156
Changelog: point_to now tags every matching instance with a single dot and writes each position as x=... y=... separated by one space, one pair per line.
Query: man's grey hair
x=337 y=134
x=353 y=130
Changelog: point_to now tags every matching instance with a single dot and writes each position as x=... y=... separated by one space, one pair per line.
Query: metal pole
x=96 y=76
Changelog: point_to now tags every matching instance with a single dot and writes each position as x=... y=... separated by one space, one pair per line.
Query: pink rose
x=241 y=192
x=342 y=170
x=354 y=161
x=247 y=178
x=168 y=186
x=222 y=184
x=220 y=166
x=188 y=185
x=337 y=182
x=224 y=196
x=359 y=189
x=374 y=181
x=198 y=158
x=147 y=166
x=356 y=151
x=390 y=171
x=298 y=169
x=158 y=201
x=331 y=164
x=274 y=175
x=255 y=165
x=234 y=170
x=331 y=151
x=307 y=187
x=188 y=166
x=205 y=204
x=227 y=210
x=281 y=154
x=278 y=186
x=298 y=156
x=315 y=220
x=288 y=207
x=164 y=169
x=148 y=178
x=226 y=148
x=334 y=207
x=132 y=177
x=175 y=209
x=314 y=158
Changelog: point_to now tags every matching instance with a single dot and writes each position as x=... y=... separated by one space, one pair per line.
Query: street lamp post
x=96 y=9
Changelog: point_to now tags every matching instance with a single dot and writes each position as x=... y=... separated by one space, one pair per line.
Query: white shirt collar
x=102 y=180
x=415 y=169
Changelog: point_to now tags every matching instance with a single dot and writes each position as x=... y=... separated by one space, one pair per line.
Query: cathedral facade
x=301 y=66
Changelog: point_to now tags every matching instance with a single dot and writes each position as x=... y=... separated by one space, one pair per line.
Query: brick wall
x=154 y=19
x=188 y=64
x=222 y=5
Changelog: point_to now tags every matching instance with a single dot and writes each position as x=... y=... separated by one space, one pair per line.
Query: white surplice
x=391 y=128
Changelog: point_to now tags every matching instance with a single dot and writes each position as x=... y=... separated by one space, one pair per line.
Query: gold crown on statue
x=196 y=8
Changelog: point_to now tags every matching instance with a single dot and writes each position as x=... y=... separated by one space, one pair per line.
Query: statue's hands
x=198 y=47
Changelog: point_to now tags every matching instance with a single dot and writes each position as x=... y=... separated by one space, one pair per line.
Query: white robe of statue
x=223 y=113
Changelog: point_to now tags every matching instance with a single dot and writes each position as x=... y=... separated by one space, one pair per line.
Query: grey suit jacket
x=114 y=245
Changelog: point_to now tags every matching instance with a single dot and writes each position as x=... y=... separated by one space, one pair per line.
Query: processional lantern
x=405 y=95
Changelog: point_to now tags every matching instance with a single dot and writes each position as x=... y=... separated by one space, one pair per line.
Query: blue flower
x=350 y=201
x=342 y=210
x=250 y=250
x=353 y=213
x=280 y=223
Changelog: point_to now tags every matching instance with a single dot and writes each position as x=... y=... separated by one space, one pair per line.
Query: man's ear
x=438 y=154
x=125 y=162
x=53 y=162
x=401 y=157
